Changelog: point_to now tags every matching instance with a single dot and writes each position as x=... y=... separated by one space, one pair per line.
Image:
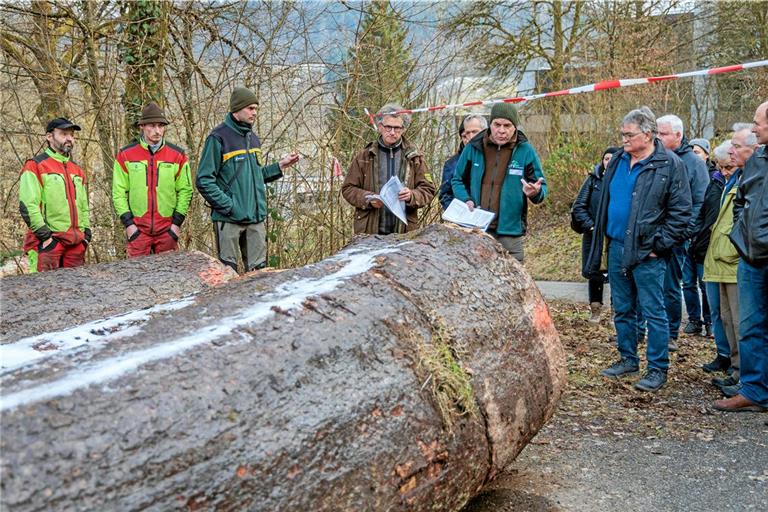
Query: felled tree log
x=400 y=374
x=50 y=301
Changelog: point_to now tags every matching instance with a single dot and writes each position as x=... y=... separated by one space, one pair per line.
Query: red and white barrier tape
x=599 y=86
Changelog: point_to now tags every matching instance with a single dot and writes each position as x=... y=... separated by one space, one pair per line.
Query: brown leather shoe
x=738 y=403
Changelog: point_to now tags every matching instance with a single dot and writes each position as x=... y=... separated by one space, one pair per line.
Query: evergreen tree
x=377 y=71
x=143 y=50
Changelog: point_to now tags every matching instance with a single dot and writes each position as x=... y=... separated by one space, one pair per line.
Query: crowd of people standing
x=662 y=221
x=676 y=222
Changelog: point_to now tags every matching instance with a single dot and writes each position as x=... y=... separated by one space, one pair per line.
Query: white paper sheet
x=458 y=213
x=388 y=196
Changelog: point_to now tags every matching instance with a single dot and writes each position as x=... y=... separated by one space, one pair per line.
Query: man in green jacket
x=232 y=180
x=151 y=187
x=53 y=202
x=504 y=174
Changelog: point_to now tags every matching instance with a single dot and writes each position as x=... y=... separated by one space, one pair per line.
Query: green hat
x=241 y=98
x=505 y=111
x=152 y=113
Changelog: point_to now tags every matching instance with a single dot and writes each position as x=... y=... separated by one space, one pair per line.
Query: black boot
x=718 y=364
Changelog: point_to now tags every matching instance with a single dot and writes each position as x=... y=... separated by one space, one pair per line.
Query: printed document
x=458 y=213
x=388 y=196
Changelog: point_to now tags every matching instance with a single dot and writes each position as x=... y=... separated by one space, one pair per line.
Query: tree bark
x=34 y=304
x=401 y=374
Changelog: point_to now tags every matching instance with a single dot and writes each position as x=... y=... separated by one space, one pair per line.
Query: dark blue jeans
x=721 y=340
x=693 y=274
x=639 y=290
x=673 y=296
x=753 y=331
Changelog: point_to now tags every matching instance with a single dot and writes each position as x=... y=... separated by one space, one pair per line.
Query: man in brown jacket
x=390 y=155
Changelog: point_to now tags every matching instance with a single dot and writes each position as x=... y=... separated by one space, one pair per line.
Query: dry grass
x=552 y=249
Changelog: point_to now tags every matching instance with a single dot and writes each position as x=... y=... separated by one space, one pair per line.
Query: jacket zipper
x=152 y=191
x=69 y=190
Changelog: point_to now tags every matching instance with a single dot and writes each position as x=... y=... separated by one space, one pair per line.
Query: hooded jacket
x=513 y=203
x=363 y=179
x=659 y=214
x=230 y=176
x=53 y=200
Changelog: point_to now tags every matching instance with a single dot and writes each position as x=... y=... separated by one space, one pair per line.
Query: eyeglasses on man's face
x=629 y=135
x=390 y=128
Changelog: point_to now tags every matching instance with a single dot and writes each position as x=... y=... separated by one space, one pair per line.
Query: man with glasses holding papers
x=382 y=167
x=504 y=174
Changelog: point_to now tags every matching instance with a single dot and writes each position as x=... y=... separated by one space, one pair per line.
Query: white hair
x=644 y=119
x=479 y=117
x=721 y=151
x=389 y=110
x=673 y=121
x=750 y=139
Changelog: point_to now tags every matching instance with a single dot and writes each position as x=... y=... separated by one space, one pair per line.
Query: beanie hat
x=702 y=143
x=505 y=111
x=241 y=98
x=152 y=113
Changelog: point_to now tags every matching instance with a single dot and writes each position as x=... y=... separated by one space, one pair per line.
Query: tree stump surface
x=402 y=373
x=33 y=304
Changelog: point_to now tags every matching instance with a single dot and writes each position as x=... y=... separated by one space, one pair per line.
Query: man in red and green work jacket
x=231 y=178
x=54 y=203
x=151 y=187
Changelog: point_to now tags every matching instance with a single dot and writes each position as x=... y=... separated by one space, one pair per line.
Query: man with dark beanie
x=232 y=180
x=390 y=155
x=504 y=174
x=151 y=187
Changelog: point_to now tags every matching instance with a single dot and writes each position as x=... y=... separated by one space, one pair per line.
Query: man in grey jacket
x=670 y=133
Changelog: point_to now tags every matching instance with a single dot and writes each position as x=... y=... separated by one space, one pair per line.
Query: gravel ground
x=610 y=447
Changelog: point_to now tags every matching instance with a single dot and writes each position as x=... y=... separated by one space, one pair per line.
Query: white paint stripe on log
x=93 y=335
x=286 y=297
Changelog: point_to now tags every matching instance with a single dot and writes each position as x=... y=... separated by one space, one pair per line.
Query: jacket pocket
x=137 y=188
x=56 y=203
x=361 y=220
x=166 y=188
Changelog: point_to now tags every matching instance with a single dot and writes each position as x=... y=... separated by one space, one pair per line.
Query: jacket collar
x=408 y=150
x=659 y=155
x=477 y=140
x=684 y=147
x=56 y=156
x=241 y=128
x=145 y=145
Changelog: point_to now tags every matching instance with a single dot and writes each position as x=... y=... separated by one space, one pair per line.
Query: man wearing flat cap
x=504 y=173
x=151 y=187
x=54 y=202
x=231 y=178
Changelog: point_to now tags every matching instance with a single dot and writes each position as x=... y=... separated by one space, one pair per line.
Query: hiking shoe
x=708 y=331
x=672 y=345
x=731 y=391
x=718 y=364
x=621 y=368
x=693 y=328
x=653 y=380
x=728 y=381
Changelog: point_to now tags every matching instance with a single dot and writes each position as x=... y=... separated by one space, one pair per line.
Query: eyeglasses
x=388 y=128
x=728 y=167
x=626 y=135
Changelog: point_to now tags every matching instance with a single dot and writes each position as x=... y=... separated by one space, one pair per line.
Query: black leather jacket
x=750 y=211
x=659 y=215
